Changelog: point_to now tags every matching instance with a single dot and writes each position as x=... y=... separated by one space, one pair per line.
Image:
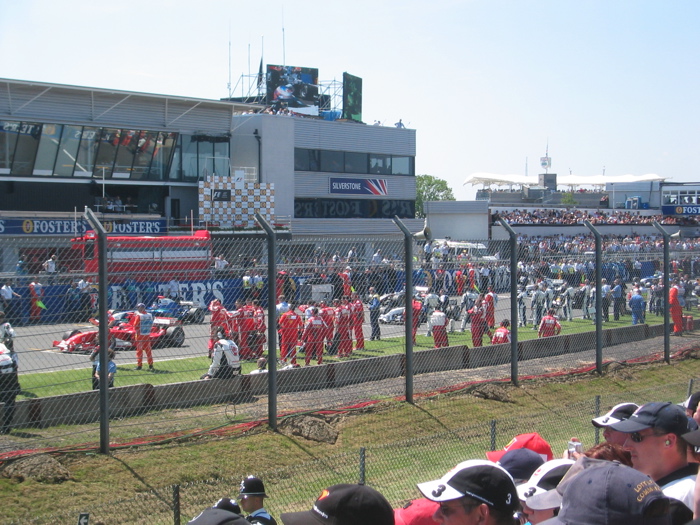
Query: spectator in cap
x=693 y=440
x=252 y=493
x=416 y=512
x=475 y=491
x=654 y=441
x=345 y=504
x=533 y=441
x=224 y=512
x=607 y=493
x=614 y=415
x=545 y=478
x=521 y=463
x=691 y=404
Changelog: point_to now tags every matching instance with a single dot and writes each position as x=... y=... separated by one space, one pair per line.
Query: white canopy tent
x=493 y=179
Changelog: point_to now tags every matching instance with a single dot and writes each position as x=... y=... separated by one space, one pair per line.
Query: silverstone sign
x=358 y=186
x=79 y=227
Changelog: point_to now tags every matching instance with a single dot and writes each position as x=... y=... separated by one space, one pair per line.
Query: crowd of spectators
x=569 y=217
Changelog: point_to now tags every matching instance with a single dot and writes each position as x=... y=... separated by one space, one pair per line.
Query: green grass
x=190 y=369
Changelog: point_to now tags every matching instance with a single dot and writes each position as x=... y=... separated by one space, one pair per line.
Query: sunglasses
x=638 y=438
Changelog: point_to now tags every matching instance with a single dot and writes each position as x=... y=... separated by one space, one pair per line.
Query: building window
x=356 y=162
x=380 y=164
x=28 y=135
x=332 y=161
x=8 y=141
x=87 y=152
x=48 y=149
x=401 y=165
x=67 y=151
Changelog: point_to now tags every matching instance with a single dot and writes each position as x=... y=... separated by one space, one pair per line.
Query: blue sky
x=486 y=83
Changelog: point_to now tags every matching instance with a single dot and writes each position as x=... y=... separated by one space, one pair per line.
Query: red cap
x=416 y=512
x=532 y=441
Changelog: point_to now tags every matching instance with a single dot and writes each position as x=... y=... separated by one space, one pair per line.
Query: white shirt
x=224 y=349
x=6 y=292
x=682 y=489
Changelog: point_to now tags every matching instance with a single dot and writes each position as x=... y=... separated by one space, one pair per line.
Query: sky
x=607 y=86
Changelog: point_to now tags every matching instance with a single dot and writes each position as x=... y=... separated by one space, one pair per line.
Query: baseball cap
x=545 y=478
x=666 y=416
x=692 y=402
x=521 y=463
x=609 y=493
x=140 y=305
x=482 y=480
x=615 y=415
x=345 y=504
x=252 y=486
x=416 y=512
x=533 y=441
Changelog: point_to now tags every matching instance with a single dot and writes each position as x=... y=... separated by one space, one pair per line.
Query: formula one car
x=185 y=311
x=166 y=332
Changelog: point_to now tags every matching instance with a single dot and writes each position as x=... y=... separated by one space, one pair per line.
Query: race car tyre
x=175 y=336
x=70 y=333
x=197 y=316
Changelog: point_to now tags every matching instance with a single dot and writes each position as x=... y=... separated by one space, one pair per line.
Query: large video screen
x=293 y=87
x=352 y=97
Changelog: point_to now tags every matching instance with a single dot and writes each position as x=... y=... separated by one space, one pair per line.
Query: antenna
x=228 y=86
x=284 y=47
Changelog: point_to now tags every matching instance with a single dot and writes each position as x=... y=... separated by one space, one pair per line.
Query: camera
x=575 y=447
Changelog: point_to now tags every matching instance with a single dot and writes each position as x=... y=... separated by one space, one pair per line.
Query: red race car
x=166 y=332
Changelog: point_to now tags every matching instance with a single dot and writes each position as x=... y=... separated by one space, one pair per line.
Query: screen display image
x=293 y=87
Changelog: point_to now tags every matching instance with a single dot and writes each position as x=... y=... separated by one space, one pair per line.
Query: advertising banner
x=358 y=186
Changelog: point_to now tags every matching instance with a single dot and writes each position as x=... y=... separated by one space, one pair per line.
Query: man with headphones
x=654 y=441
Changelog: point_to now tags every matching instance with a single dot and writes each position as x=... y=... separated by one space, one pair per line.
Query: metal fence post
x=362 y=466
x=598 y=297
x=408 y=303
x=690 y=387
x=271 y=321
x=597 y=414
x=176 y=504
x=667 y=275
x=513 y=303
x=103 y=327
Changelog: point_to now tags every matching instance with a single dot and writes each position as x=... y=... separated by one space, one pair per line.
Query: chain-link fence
x=392 y=468
x=337 y=315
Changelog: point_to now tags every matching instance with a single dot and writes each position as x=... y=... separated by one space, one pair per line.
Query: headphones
x=668 y=442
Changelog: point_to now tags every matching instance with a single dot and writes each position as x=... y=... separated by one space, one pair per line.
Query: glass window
x=27 y=144
x=145 y=146
x=106 y=152
x=126 y=147
x=87 y=152
x=67 y=151
x=176 y=166
x=401 y=165
x=314 y=160
x=8 y=141
x=380 y=164
x=190 y=169
x=301 y=159
x=48 y=148
x=222 y=164
x=356 y=162
x=332 y=161
x=162 y=155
